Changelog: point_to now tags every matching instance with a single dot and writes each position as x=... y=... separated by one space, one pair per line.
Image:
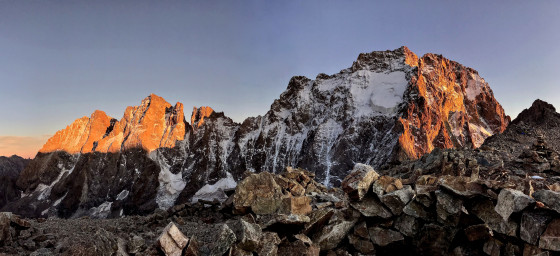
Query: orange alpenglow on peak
x=153 y=124
x=198 y=115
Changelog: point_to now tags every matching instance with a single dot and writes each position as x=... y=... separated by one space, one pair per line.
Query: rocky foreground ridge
x=292 y=214
x=388 y=107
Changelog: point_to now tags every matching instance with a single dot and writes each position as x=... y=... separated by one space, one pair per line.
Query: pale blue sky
x=60 y=60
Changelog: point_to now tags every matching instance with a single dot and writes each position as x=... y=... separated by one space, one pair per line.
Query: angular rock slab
x=259 y=193
x=397 y=200
x=371 y=207
x=384 y=237
x=448 y=208
x=172 y=240
x=334 y=232
x=549 y=198
x=533 y=224
x=223 y=241
x=510 y=201
x=485 y=211
x=296 y=205
x=478 y=232
x=358 y=182
x=248 y=235
x=386 y=184
x=550 y=239
x=268 y=244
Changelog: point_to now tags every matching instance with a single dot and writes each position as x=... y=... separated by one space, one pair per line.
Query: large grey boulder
x=510 y=201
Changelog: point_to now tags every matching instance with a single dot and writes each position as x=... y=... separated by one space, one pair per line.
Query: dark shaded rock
x=478 y=232
x=317 y=220
x=362 y=245
x=533 y=224
x=434 y=240
x=407 y=225
x=371 y=207
x=448 y=208
x=549 y=198
x=172 y=241
x=485 y=211
x=302 y=246
x=492 y=247
x=361 y=230
x=384 y=237
x=398 y=199
x=550 y=239
x=335 y=231
x=417 y=210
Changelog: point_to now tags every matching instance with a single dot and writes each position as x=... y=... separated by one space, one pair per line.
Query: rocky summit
x=389 y=107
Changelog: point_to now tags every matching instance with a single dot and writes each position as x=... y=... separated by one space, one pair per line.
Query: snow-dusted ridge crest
x=388 y=106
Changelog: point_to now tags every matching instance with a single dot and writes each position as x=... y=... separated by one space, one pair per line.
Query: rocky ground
x=291 y=214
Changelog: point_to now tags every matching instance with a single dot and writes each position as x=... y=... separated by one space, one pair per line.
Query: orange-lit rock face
x=153 y=124
x=453 y=107
x=198 y=115
x=79 y=137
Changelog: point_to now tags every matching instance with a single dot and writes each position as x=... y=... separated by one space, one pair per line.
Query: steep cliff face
x=10 y=167
x=387 y=107
x=448 y=105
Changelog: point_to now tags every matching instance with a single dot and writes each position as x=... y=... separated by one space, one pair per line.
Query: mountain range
x=388 y=107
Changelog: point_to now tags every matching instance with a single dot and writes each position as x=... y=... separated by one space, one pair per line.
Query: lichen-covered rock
x=510 y=201
x=268 y=244
x=259 y=193
x=248 y=235
x=358 y=182
x=224 y=239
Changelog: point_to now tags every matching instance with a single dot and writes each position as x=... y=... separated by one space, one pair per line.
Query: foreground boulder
x=510 y=201
x=358 y=182
x=258 y=193
x=172 y=241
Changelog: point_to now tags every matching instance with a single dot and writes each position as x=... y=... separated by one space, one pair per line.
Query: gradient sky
x=61 y=60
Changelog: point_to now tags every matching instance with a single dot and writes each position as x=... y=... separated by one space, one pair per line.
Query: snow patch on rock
x=215 y=191
x=170 y=184
x=474 y=86
x=101 y=211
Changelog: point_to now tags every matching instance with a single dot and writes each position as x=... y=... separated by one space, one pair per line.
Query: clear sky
x=61 y=60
